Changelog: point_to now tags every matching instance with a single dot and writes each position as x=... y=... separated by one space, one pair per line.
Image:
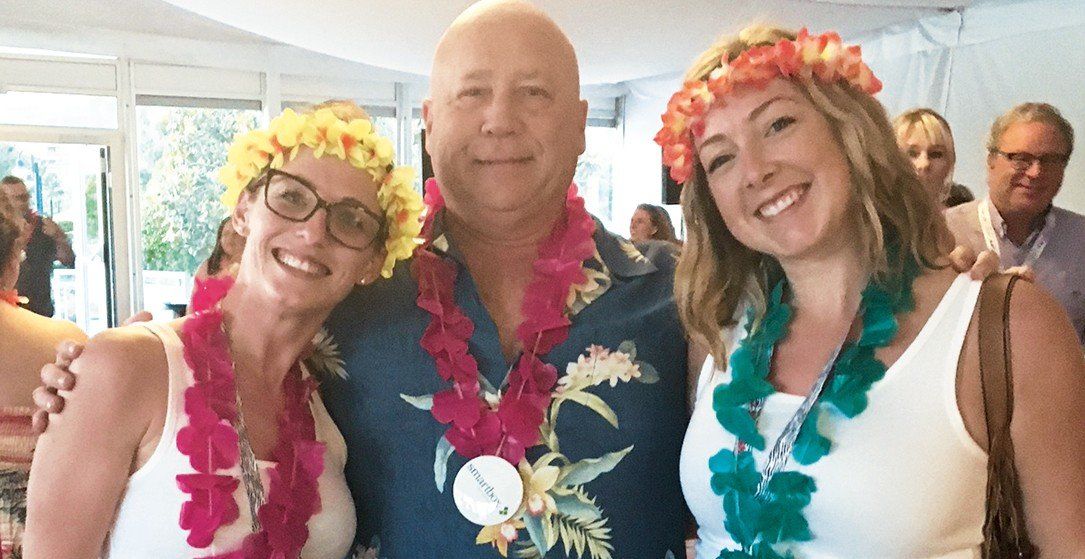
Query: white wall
x=639 y=177
x=970 y=65
x=1008 y=52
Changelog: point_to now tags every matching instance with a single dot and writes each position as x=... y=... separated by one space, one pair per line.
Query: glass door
x=180 y=150
x=67 y=186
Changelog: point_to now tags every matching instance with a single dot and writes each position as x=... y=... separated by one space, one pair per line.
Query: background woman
x=27 y=341
x=925 y=137
x=224 y=258
x=651 y=222
x=203 y=436
x=840 y=414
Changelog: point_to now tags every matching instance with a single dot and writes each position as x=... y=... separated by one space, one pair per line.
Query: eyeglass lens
x=348 y=221
x=1024 y=160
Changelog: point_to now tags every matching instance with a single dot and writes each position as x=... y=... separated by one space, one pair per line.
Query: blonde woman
x=203 y=437
x=840 y=414
x=926 y=138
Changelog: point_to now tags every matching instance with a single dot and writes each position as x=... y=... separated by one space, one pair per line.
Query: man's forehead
x=504 y=37
x=486 y=72
x=1034 y=133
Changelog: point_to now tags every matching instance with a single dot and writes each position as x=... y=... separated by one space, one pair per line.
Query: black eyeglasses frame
x=382 y=230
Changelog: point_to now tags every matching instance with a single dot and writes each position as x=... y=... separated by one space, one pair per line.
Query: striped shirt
x=16 y=450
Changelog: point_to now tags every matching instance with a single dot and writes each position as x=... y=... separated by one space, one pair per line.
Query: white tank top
x=904 y=479
x=147 y=519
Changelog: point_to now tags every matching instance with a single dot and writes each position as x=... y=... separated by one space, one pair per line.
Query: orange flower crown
x=824 y=57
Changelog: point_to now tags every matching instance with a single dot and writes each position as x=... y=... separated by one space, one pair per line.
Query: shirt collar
x=619 y=255
x=999 y=224
x=614 y=256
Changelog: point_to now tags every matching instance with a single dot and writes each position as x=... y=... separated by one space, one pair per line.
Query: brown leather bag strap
x=1004 y=530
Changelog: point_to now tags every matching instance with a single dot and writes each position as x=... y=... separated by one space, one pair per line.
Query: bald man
x=504 y=128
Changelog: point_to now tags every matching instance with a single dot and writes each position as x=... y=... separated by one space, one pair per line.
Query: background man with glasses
x=1027 y=152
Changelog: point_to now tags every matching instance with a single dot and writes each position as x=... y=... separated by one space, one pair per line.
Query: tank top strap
x=180 y=378
x=180 y=375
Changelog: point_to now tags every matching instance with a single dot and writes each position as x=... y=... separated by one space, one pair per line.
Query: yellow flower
x=500 y=535
x=402 y=206
x=383 y=149
x=537 y=484
x=288 y=127
x=359 y=128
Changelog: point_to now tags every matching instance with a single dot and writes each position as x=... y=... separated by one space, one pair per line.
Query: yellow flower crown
x=354 y=141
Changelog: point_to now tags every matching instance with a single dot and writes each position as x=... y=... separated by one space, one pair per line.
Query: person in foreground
x=840 y=414
x=530 y=290
x=26 y=343
x=204 y=436
x=926 y=138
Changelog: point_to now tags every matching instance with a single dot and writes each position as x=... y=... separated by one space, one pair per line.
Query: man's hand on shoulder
x=54 y=376
x=964 y=259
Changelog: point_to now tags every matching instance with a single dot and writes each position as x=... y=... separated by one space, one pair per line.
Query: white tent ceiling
x=617 y=40
x=149 y=17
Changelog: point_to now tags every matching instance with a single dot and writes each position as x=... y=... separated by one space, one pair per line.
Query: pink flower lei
x=511 y=426
x=210 y=442
x=824 y=57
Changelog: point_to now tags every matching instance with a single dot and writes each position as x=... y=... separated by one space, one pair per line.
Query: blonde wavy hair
x=896 y=221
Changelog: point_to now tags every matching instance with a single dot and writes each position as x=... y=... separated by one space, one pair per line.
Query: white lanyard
x=990 y=238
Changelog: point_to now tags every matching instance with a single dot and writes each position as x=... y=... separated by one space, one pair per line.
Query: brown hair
x=11 y=227
x=218 y=254
x=896 y=220
x=662 y=222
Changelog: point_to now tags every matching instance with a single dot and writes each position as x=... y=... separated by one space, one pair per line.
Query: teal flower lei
x=757 y=521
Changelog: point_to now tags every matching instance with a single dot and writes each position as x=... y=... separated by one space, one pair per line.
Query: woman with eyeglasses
x=204 y=437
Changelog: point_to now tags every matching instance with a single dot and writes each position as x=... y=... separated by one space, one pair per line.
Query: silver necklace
x=781 y=449
x=250 y=472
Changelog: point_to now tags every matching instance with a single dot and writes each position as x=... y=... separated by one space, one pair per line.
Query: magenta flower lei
x=512 y=426
x=211 y=444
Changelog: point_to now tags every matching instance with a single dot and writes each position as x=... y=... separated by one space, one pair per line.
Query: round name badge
x=488 y=490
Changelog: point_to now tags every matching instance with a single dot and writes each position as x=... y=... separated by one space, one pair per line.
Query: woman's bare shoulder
x=47 y=330
x=1042 y=338
x=121 y=360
